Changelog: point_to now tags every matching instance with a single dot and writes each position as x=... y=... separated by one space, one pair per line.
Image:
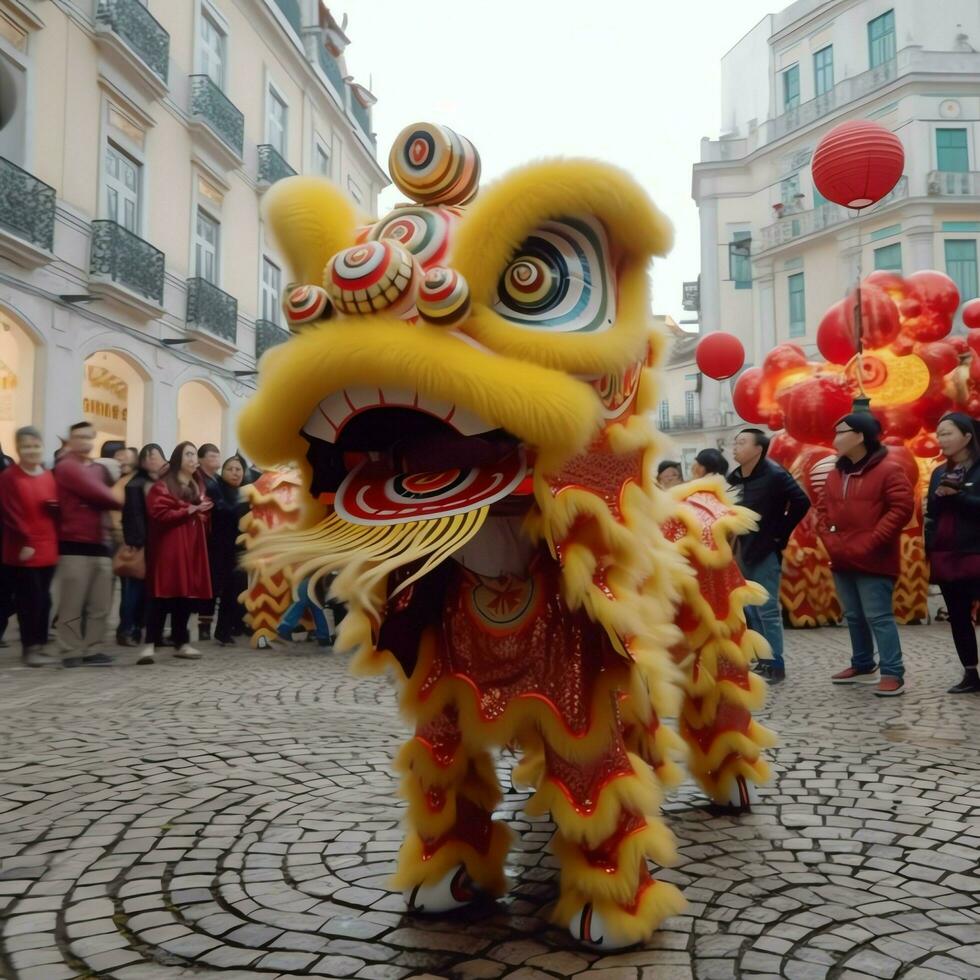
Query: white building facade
x=137 y=286
x=774 y=254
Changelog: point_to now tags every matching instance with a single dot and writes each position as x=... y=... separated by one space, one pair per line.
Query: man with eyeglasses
x=866 y=504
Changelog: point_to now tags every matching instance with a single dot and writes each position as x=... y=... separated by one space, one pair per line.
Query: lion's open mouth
x=392 y=456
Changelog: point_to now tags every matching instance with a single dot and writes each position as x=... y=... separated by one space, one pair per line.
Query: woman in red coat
x=178 y=578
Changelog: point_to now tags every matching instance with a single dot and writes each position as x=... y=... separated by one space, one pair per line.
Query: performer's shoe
x=589 y=927
x=742 y=794
x=453 y=891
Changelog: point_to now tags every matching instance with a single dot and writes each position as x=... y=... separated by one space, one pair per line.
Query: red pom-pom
x=720 y=355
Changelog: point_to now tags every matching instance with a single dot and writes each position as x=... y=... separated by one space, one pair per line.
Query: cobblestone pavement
x=237 y=817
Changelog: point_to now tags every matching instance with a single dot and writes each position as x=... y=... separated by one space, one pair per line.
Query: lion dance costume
x=467 y=392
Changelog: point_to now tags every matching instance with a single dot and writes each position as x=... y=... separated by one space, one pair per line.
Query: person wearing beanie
x=952 y=532
x=866 y=503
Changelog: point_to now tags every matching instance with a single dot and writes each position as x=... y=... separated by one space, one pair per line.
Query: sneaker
x=36 y=657
x=146 y=656
x=852 y=676
x=969 y=685
x=771 y=673
x=889 y=687
x=97 y=660
x=187 y=652
x=225 y=641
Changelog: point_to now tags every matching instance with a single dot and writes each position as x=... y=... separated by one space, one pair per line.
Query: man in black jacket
x=781 y=504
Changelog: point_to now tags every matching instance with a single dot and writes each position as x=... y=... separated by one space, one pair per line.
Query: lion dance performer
x=468 y=393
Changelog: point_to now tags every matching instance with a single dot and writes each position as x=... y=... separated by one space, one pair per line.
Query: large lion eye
x=560 y=279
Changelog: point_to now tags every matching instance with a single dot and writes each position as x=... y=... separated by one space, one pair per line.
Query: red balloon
x=879 y=316
x=783 y=357
x=940 y=357
x=720 y=355
x=899 y=420
x=973 y=342
x=857 y=163
x=902 y=345
x=971 y=313
x=746 y=394
x=812 y=408
x=925 y=446
x=835 y=337
x=975 y=368
x=931 y=407
x=891 y=282
x=936 y=291
x=972 y=406
x=958 y=344
x=784 y=449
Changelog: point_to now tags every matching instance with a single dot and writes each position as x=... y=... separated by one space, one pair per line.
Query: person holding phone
x=952 y=533
x=177 y=574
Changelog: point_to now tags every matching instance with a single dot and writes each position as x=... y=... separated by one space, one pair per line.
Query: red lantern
x=812 y=407
x=746 y=394
x=940 y=357
x=720 y=355
x=971 y=314
x=835 y=336
x=899 y=420
x=857 y=163
x=783 y=357
x=784 y=449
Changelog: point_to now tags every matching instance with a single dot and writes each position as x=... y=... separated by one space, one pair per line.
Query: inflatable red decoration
x=930 y=302
x=857 y=163
x=880 y=324
x=925 y=446
x=935 y=289
x=940 y=357
x=783 y=357
x=745 y=396
x=898 y=420
x=784 y=449
x=971 y=313
x=958 y=344
x=812 y=407
x=835 y=337
x=720 y=355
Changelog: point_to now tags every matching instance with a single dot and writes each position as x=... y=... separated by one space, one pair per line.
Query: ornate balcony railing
x=272 y=166
x=362 y=117
x=803 y=223
x=140 y=30
x=212 y=310
x=268 y=334
x=26 y=206
x=125 y=259
x=944 y=183
x=218 y=112
x=681 y=422
x=332 y=70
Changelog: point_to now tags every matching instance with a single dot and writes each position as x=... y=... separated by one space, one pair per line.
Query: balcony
x=268 y=334
x=680 y=423
x=272 y=166
x=791 y=227
x=126 y=268
x=212 y=314
x=331 y=69
x=26 y=216
x=129 y=34
x=217 y=121
x=944 y=183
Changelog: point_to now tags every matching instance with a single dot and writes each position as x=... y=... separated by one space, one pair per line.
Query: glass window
x=889 y=257
x=797 y=306
x=881 y=39
x=823 y=70
x=952 y=154
x=212 y=51
x=961 y=266
x=692 y=407
x=740 y=259
x=278 y=116
x=788 y=190
x=122 y=189
x=355 y=191
x=664 y=414
x=321 y=160
x=271 y=289
x=791 y=87
x=206 y=241
x=818 y=199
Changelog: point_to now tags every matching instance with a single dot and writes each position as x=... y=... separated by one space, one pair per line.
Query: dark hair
x=865 y=424
x=208 y=447
x=713 y=460
x=761 y=439
x=133 y=450
x=235 y=458
x=144 y=453
x=666 y=464
x=110 y=447
x=193 y=492
x=80 y=425
x=967 y=426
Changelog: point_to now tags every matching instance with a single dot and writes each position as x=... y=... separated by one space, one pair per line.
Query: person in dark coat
x=866 y=503
x=228 y=579
x=177 y=574
x=209 y=456
x=952 y=532
x=6 y=573
x=781 y=503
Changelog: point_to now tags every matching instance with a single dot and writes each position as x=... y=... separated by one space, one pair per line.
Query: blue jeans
x=867 y=602
x=294 y=614
x=132 y=604
x=767 y=619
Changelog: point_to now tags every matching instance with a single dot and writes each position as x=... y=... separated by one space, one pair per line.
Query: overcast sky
x=634 y=82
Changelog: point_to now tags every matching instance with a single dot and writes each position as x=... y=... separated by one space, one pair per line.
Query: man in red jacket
x=28 y=504
x=85 y=568
x=866 y=503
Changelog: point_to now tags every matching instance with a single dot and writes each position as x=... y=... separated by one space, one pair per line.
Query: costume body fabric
x=470 y=386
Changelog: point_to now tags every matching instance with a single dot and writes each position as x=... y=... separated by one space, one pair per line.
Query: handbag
x=129 y=562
